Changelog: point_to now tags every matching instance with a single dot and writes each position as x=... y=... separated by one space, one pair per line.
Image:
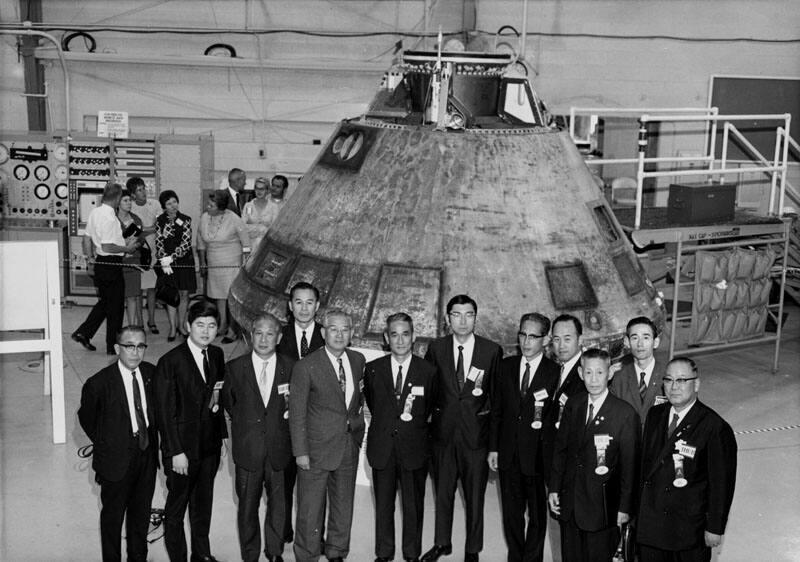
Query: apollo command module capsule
x=453 y=181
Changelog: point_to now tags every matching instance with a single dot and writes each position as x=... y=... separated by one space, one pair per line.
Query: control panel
x=34 y=178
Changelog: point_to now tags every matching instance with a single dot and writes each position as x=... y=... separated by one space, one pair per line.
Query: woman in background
x=131 y=272
x=259 y=213
x=174 y=242
x=222 y=240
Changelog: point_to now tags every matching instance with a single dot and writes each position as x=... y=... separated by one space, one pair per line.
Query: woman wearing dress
x=259 y=213
x=174 y=240
x=222 y=239
x=131 y=271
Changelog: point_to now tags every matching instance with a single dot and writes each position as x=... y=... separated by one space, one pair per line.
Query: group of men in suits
x=563 y=433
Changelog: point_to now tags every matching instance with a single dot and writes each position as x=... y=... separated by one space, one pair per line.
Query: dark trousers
x=451 y=462
x=195 y=490
x=520 y=493
x=110 y=300
x=129 y=499
x=578 y=545
x=412 y=495
x=312 y=487
x=289 y=478
x=652 y=554
x=249 y=486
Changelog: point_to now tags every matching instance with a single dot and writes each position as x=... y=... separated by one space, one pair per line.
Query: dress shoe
x=153 y=328
x=470 y=557
x=437 y=552
x=84 y=341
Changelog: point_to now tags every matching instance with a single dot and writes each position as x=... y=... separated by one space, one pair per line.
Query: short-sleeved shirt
x=104 y=228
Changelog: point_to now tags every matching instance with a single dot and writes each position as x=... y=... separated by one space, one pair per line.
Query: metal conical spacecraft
x=452 y=182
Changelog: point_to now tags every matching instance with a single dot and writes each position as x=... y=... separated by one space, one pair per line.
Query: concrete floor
x=50 y=503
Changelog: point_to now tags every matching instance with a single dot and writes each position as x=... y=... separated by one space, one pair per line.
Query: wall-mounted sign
x=112 y=124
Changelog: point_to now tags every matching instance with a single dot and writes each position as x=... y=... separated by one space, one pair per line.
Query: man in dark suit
x=236 y=181
x=399 y=392
x=326 y=421
x=688 y=473
x=117 y=414
x=299 y=337
x=521 y=407
x=256 y=397
x=566 y=342
x=192 y=426
x=466 y=366
x=593 y=480
x=639 y=381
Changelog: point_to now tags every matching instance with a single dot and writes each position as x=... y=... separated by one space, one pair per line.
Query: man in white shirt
x=326 y=420
x=117 y=413
x=256 y=397
x=105 y=245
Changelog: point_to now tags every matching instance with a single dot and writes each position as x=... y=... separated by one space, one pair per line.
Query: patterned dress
x=174 y=238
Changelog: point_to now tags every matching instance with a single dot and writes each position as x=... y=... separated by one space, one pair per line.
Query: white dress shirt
x=103 y=227
x=298 y=335
x=348 y=374
x=648 y=371
x=596 y=405
x=127 y=381
x=258 y=365
x=405 y=364
x=681 y=414
x=469 y=347
x=568 y=366
x=534 y=363
x=197 y=353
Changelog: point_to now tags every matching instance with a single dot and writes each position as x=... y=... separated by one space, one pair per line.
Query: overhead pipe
x=27 y=31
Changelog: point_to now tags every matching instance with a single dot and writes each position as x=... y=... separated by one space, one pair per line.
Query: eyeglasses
x=460 y=315
x=524 y=336
x=131 y=347
x=680 y=383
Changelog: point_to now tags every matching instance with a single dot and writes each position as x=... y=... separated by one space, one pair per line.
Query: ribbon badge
x=537 y=414
x=283 y=389
x=601 y=443
x=213 y=405
x=406 y=415
x=476 y=375
x=562 y=401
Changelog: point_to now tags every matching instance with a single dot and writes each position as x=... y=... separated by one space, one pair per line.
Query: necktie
x=342 y=379
x=526 y=380
x=137 y=407
x=398 y=384
x=206 y=366
x=561 y=377
x=262 y=383
x=673 y=425
x=460 y=367
x=642 y=386
x=591 y=414
x=303 y=345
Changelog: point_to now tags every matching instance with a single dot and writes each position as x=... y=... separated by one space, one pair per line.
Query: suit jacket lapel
x=198 y=376
x=118 y=387
x=251 y=377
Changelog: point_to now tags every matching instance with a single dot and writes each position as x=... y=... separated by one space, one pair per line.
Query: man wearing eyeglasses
x=521 y=404
x=688 y=473
x=117 y=414
x=466 y=367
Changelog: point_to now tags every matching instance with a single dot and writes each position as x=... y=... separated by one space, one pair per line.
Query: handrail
x=32 y=32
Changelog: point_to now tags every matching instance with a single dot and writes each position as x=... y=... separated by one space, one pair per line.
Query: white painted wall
x=284 y=110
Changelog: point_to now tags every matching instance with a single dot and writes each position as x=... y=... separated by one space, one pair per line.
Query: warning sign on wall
x=112 y=124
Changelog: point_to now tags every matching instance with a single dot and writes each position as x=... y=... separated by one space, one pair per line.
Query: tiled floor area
x=49 y=502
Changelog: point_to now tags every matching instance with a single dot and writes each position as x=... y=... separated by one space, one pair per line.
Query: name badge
x=218 y=385
x=418 y=391
x=179 y=222
x=602 y=441
x=540 y=394
x=686 y=450
x=283 y=388
x=660 y=400
x=474 y=373
x=563 y=399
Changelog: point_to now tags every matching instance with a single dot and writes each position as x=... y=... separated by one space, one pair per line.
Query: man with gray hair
x=326 y=421
x=256 y=397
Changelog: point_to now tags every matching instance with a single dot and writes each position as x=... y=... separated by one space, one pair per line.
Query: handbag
x=167 y=292
x=145 y=256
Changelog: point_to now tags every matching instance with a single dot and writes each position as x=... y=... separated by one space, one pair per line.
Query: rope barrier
x=767 y=429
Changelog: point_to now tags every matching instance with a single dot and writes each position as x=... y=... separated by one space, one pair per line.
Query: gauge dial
x=62 y=191
x=61 y=172
x=60 y=152
x=21 y=172
x=42 y=173
x=41 y=191
x=3 y=153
